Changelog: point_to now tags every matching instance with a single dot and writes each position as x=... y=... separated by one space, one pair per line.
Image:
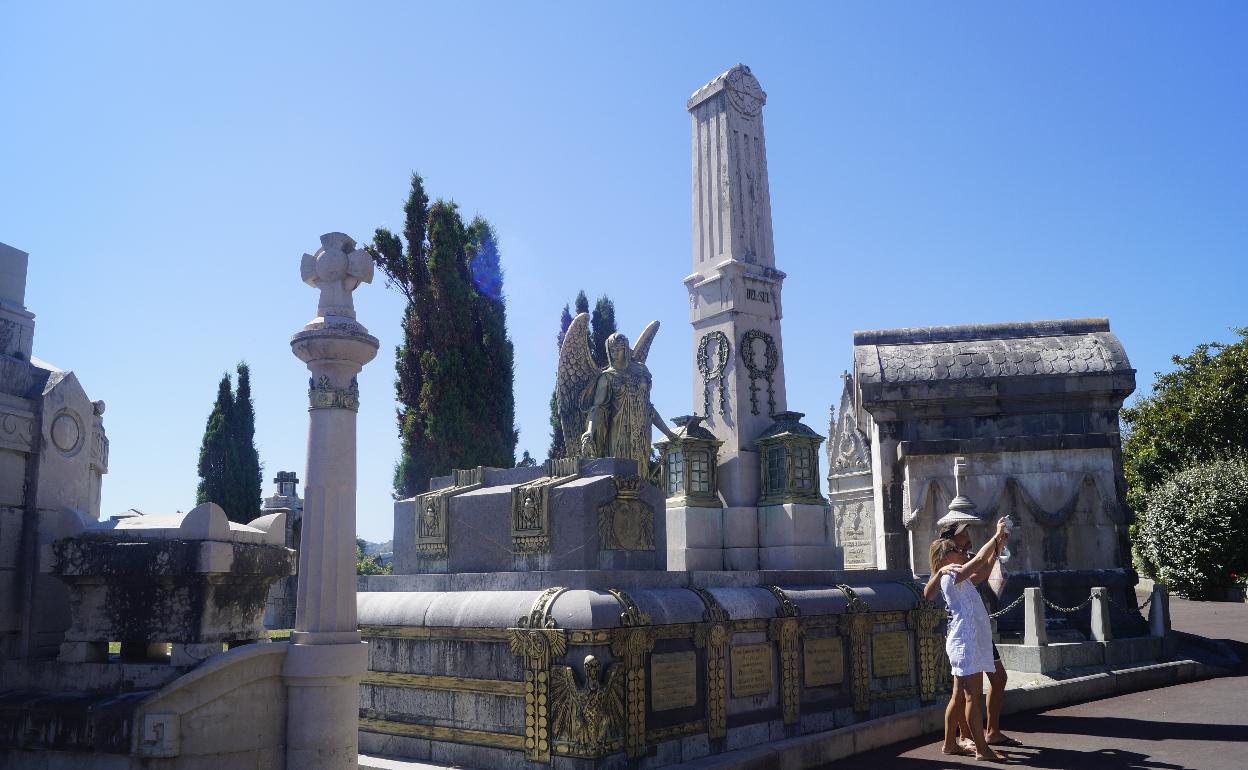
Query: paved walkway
x=1193 y=726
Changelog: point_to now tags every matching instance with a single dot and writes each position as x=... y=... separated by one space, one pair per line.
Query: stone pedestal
x=741 y=537
x=326 y=659
x=695 y=538
x=795 y=536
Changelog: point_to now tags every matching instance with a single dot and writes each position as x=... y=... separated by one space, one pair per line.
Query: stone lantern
x=789 y=456
x=690 y=465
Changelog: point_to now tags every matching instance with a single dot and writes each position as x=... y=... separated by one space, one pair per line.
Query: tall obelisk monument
x=734 y=290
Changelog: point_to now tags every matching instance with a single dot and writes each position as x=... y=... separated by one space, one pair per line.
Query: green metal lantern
x=690 y=463
x=789 y=455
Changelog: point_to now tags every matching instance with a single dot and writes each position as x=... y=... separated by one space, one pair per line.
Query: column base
x=695 y=537
x=323 y=715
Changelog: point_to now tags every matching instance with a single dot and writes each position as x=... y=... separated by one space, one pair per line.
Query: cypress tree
x=495 y=407
x=247 y=504
x=218 y=454
x=455 y=365
x=558 y=446
x=408 y=273
x=601 y=326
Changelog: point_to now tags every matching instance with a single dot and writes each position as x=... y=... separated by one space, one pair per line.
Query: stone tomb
x=572 y=514
x=590 y=676
x=1033 y=409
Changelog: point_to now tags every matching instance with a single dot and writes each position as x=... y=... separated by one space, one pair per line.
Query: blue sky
x=167 y=164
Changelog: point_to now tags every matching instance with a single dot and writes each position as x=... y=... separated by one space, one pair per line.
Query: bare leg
x=996 y=700
x=955 y=719
x=973 y=686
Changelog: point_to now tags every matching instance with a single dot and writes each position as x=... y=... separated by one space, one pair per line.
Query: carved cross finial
x=959 y=474
x=336 y=268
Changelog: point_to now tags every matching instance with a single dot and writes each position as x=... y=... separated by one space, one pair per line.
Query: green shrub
x=1196 y=530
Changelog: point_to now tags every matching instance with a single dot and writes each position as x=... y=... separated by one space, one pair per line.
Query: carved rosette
x=323 y=395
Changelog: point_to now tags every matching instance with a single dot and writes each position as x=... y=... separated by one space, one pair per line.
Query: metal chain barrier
x=1129 y=609
x=1068 y=610
x=1008 y=607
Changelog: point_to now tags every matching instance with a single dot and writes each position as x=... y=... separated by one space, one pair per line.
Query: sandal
x=1007 y=741
x=960 y=751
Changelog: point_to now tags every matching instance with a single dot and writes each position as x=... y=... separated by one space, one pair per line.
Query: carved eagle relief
x=589 y=718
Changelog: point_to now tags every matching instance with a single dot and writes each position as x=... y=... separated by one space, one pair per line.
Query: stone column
x=326 y=659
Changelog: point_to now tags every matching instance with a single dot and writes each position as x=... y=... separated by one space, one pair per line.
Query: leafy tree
x=455 y=366
x=1196 y=414
x=366 y=564
x=1196 y=531
x=527 y=461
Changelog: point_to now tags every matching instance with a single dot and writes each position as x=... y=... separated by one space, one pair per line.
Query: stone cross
x=336 y=268
x=326 y=658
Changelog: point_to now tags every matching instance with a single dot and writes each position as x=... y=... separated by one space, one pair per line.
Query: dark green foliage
x=455 y=367
x=558 y=447
x=1196 y=531
x=229 y=467
x=244 y=434
x=1196 y=414
x=494 y=390
x=601 y=326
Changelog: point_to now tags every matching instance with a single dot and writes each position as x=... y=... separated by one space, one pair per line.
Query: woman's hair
x=940 y=549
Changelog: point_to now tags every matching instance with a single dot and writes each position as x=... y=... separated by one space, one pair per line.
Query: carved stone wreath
x=771 y=359
x=723 y=349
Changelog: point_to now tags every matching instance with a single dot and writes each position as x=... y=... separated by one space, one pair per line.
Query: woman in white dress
x=969 y=639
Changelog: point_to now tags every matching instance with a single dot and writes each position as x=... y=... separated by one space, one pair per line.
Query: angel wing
x=642 y=348
x=577 y=371
x=565 y=699
x=613 y=703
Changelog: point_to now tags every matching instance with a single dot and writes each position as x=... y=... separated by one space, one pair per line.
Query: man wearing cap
x=953 y=527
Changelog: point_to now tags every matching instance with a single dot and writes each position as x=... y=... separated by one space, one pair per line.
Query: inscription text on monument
x=673 y=680
x=823 y=661
x=890 y=653
x=751 y=670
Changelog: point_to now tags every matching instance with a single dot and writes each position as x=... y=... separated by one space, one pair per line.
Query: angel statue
x=607 y=412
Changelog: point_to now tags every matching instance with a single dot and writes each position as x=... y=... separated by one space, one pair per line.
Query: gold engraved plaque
x=751 y=670
x=823 y=661
x=890 y=653
x=673 y=680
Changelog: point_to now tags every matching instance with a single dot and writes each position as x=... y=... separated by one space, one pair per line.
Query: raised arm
x=985 y=555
